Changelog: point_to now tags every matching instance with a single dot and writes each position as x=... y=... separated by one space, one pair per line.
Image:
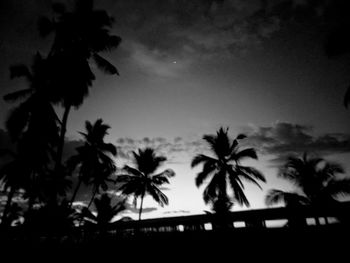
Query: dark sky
x=188 y=67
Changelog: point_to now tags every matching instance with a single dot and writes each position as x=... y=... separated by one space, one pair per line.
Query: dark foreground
x=327 y=243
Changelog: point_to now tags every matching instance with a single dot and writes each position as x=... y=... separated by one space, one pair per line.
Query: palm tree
x=33 y=124
x=143 y=179
x=94 y=158
x=226 y=169
x=80 y=35
x=105 y=211
x=316 y=179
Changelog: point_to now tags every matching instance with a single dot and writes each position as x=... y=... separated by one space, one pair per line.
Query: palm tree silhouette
x=33 y=124
x=225 y=169
x=315 y=177
x=80 y=35
x=142 y=180
x=93 y=159
x=105 y=212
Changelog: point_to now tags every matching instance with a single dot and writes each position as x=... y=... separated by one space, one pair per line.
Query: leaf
x=105 y=65
x=20 y=94
x=241 y=136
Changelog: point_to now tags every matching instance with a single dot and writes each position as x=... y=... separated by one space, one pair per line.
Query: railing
x=260 y=218
x=239 y=221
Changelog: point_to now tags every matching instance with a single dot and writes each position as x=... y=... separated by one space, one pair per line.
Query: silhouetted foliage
x=94 y=158
x=105 y=212
x=143 y=179
x=80 y=35
x=225 y=169
x=315 y=178
x=51 y=219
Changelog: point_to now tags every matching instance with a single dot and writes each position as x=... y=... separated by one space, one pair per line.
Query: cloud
x=177 y=150
x=165 y=38
x=283 y=138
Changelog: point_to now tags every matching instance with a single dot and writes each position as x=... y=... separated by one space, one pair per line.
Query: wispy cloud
x=175 y=149
x=157 y=62
x=282 y=139
x=165 y=38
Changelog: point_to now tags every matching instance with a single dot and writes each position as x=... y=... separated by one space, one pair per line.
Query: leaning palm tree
x=80 y=35
x=93 y=159
x=143 y=179
x=316 y=179
x=226 y=169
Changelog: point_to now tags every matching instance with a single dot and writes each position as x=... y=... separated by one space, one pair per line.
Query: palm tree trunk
x=61 y=139
x=8 y=206
x=75 y=191
x=93 y=196
x=141 y=205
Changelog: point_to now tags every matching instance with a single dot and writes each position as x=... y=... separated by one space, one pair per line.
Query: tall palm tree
x=105 y=211
x=94 y=158
x=143 y=179
x=80 y=35
x=225 y=169
x=33 y=123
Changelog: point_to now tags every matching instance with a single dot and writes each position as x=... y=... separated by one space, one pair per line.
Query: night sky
x=189 y=67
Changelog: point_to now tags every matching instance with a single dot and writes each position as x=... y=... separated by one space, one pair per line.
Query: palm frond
x=275 y=196
x=162 y=178
x=110 y=148
x=212 y=189
x=107 y=42
x=241 y=136
x=332 y=168
x=252 y=173
x=246 y=153
x=340 y=187
x=208 y=169
x=105 y=65
x=201 y=158
x=238 y=192
x=132 y=171
x=158 y=195
x=20 y=94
